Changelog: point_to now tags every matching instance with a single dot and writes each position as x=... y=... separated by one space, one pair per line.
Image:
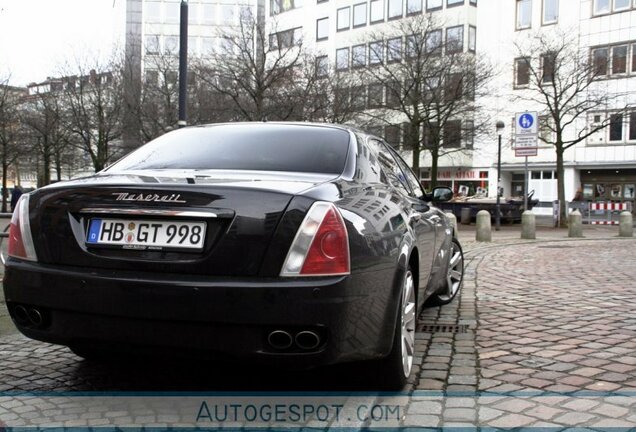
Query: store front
x=463 y=182
x=616 y=185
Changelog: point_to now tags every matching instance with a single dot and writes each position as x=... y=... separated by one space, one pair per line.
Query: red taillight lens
x=329 y=252
x=321 y=245
x=20 y=240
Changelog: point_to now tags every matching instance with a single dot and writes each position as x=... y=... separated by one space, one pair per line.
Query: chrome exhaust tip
x=307 y=340
x=35 y=317
x=21 y=315
x=280 y=339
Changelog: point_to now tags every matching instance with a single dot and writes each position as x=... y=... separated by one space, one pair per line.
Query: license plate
x=146 y=234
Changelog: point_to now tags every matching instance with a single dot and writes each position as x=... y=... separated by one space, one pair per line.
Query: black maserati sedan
x=296 y=244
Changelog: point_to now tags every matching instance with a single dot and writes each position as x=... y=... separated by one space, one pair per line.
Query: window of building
x=633 y=58
x=412 y=46
x=434 y=4
x=455 y=39
x=207 y=46
x=545 y=129
x=152 y=44
x=469 y=134
x=171 y=44
x=193 y=13
x=344 y=18
x=547 y=66
x=453 y=134
x=358 y=98
x=392 y=135
x=632 y=126
x=376 y=53
x=616 y=127
x=359 y=56
x=279 y=6
x=472 y=38
x=414 y=6
x=601 y=6
x=522 y=72
x=287 y=38
x=619 y=59
x=393 y=94
x=375 y=93
x=153 y=11
x=227 y=13
x=322 y=66
x=473 y=2
x=600 y=60
x=152 y=77
x=173 y=11
x=360 y=15
x=322 y=28
x=451 y=3
x=395 y=9
x=550 y=11
x=620 y=5
x=208 y=13
x=434 y=41
x=394 y=49
x=524 y=14
x=377 y=11
x=342 y=59
x=453 y=87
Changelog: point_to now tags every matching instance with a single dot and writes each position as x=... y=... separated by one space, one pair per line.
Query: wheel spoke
x=456 y=275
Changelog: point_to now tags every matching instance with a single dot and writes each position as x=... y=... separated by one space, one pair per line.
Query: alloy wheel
x=408 y=323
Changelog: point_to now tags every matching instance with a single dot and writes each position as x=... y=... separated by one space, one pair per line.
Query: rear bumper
x=353 y=315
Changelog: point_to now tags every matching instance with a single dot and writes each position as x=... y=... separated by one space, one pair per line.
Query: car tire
x=396 y=368
x=453 y=278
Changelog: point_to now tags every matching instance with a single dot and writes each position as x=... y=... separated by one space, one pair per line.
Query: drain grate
x=442 y=328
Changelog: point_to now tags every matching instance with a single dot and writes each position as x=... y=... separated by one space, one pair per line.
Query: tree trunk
x=4 y=186
x=434 y=162
x=46 y=168
x=563 y=215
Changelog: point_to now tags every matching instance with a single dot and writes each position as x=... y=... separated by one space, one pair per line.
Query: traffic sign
x=526 y=151
x=526 y=141
x=526 y=123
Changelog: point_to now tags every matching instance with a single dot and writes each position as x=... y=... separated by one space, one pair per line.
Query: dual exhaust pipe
x=305 y=340
x=29 y=316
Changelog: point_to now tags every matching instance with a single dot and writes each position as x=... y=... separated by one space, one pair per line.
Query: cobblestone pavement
x=542 y=335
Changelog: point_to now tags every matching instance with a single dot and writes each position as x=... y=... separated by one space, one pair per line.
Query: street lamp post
x=500 y=126
x=183 y=64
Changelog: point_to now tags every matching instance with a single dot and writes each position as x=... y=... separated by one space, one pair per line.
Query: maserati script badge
x=173 y=198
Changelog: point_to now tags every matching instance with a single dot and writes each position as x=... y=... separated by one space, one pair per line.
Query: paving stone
x=574 y=418
x=459 y=414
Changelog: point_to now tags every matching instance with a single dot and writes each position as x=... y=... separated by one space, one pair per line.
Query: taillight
x=20 y=239
x=321 y=245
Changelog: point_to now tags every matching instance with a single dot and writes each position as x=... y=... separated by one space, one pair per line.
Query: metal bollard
x=575 y=224
x=484 y=230
x=452 y=219
x=528 y=225
x=626 y=227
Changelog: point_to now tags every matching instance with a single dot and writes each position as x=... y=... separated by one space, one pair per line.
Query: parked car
x=301 y=244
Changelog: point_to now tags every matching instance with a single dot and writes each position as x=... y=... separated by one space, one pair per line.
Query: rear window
x=258 y=147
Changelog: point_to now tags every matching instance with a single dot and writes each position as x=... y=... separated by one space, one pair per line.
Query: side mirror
x=442 y=194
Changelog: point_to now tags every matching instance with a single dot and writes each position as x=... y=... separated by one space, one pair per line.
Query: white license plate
x=146 y=234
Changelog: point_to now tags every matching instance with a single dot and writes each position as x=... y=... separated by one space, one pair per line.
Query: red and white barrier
x=604 y=222
x=612 y=206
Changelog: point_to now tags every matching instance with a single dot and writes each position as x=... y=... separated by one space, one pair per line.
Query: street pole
x=525 y=186
x=183 y=64
x=500 y=125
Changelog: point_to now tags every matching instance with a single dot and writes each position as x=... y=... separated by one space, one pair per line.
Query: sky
x=37 y=37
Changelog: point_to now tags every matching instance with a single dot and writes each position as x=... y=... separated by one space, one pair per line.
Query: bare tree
x=256 y=71
x=45 y=128
x=431 y=86
x=10 y=143
x=563 y=80
x=325 y=93
x=95 y=102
